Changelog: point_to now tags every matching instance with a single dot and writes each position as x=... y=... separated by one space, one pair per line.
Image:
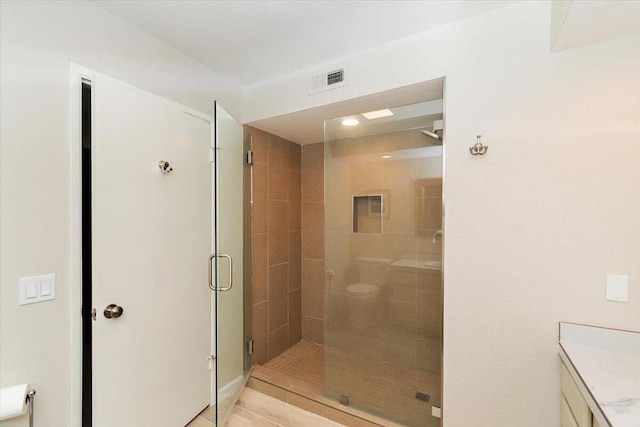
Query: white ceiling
x=587 y=22
x=254 y=41
x=307 y=126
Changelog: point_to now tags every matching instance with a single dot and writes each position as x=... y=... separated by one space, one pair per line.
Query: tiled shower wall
x=408 y=331
x=313 y=243
x=277 y=236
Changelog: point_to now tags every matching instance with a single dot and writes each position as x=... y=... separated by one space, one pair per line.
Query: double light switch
x=37 y=288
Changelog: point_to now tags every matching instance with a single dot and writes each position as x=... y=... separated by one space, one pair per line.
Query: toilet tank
x=374 y=271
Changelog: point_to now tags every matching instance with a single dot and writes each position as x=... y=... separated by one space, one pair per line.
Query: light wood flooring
x=255 y=409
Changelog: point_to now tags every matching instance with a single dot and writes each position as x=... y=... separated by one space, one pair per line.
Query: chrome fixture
x=215 y=287
x=478 y=148
x=113 y=311
x=430 y=134
x=165 y=167
x=436 y=234
x=31 y=397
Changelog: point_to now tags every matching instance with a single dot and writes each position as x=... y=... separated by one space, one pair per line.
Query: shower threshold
x=306 y=396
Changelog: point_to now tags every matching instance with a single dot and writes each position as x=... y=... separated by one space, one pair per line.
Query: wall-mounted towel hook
x=165 y=167
x=478 y=148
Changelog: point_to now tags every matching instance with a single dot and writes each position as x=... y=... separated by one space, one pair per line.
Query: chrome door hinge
x=250 y=347
x=211 y=155
x=93 y=314
x=250 y=157
x=210 y=361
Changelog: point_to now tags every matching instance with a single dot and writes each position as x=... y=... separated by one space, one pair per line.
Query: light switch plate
x=37 y=289
x=617 y=287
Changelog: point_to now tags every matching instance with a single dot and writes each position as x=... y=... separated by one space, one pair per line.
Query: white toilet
x=373 y=274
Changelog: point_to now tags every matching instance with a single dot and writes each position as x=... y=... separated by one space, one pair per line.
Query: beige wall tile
x=396 y=244
x=402 y=286
x=295 y=316
x=278 y=184
x=278 y=154
x=260 y=198
x=338 y=201
x=313 y=330
x=313 y=173
x=278 y=232
x=338 y=259
x=403 y=314
x=366 y=245
x=366 y=177
x=277 y=210
x=278 y=341
x=260 y=333
x=278 y=295
x=313 y=288
x=295 y=260
x=313 y=230
x=295 y=157
x=429 y=312
x=335 y=308
x=260 y=263
x=429 y=356
x=295 y=201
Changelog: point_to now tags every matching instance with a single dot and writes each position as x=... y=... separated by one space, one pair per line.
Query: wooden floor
x=256 y=409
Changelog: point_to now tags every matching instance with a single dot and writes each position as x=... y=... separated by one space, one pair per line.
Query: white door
x=151 y=240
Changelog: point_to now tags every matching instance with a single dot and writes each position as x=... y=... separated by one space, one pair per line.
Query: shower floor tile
x=374 y=386
x=304 y=361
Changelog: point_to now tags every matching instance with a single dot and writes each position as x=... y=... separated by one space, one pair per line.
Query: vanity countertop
x=605 y=364
x=421 y=264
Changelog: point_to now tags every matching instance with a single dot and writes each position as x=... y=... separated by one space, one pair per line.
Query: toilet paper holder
x=31 y=397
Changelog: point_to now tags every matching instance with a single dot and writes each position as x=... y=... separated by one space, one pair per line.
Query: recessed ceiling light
x=386 y=157
x=378 y=113
x=350 y=122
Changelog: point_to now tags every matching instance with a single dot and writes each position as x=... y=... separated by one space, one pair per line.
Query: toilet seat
x=363 y=289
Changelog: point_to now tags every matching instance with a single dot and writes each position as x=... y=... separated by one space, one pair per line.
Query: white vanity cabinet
x=600 y=376
x=575 y=411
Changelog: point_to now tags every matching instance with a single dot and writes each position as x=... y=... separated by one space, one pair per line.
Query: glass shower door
x=231 y=252
x=383 y=298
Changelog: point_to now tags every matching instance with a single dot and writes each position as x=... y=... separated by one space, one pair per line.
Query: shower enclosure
x=383 y=262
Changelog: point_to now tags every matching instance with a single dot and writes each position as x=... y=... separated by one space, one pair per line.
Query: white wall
x=532 y=227
x=38 y=40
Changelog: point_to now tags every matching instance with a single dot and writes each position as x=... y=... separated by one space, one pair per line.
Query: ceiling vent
x=329 y=80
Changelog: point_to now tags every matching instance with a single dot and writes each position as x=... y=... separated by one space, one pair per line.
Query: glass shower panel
x=232 y=182
x=383 y=287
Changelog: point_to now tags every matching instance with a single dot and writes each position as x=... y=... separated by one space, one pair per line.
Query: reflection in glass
x=367 y=214
x=383 y=300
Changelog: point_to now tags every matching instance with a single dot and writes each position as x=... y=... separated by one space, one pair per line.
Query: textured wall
x=533 y=227
x=276 y=220
x=37 y=42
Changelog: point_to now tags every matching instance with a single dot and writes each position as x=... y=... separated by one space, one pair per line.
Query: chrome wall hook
x=478 y=148
x=165 y=167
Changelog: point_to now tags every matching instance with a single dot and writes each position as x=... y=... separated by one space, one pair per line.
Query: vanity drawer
x=566 y=418
x=575 y=401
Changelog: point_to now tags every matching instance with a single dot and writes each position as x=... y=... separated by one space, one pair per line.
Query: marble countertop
x=605 y=364
x=417 y=263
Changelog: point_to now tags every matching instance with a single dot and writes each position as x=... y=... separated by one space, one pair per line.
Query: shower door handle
x=211 y=284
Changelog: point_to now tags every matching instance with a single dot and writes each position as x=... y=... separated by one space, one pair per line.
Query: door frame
x=76 y=74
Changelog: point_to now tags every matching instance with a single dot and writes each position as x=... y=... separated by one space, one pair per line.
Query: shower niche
x=368 y=211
